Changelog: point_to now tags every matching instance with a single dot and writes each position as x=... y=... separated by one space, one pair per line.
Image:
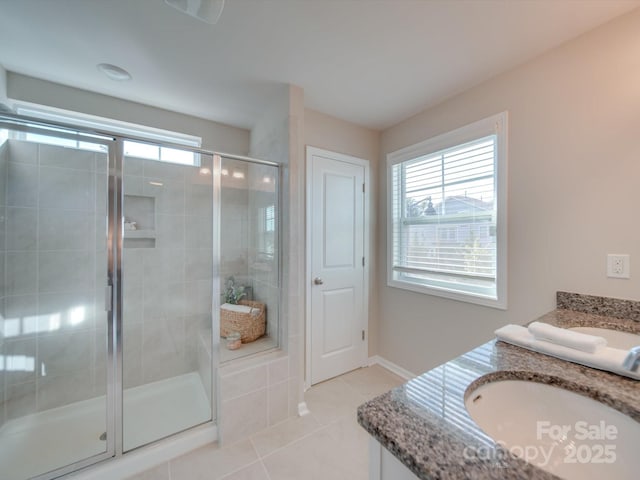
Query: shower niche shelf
x=140 y=234
x=141 y=210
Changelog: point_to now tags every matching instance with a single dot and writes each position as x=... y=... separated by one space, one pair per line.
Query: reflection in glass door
x=54 y=329
x=249 y=257
x=167 y=283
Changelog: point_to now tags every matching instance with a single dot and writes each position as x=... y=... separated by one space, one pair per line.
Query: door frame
x=340 y=157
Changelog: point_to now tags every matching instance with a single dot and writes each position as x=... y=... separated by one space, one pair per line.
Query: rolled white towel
x=604 y=358
x=568 y=338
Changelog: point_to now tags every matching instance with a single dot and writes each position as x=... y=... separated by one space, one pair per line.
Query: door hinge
x=363 y=261
x=363 y=188
x=362 y=334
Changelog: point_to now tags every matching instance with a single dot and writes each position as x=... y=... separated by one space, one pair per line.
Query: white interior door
x=336 y=271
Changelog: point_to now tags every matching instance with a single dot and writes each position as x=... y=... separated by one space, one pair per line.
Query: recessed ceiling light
x=114 y=72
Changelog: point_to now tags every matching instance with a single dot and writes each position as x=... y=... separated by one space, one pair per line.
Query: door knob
x=318 y=281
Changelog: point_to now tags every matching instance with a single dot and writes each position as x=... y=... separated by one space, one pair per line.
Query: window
x=266 y=230
x=61 y=142
x=132 y=148
x=447 y=214
x=162 y=154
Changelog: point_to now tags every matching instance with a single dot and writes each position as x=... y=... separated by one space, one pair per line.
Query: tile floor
x=326 y=444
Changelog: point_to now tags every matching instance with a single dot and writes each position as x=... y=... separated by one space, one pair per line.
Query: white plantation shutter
x=444 y=213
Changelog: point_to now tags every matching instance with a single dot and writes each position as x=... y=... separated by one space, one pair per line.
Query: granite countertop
x=425 y=424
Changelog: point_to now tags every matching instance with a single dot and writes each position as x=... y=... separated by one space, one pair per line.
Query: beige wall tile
x=243 y=416
x=243 y=382
x=278 y=370
x=278 y=402
x=294 y=396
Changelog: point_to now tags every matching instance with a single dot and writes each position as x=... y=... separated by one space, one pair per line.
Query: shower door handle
x=108 y=298
x=318 y=281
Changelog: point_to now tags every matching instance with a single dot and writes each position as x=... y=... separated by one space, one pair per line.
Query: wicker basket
x=250 y=326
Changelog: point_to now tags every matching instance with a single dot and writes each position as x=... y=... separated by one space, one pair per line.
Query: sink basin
x=615 y=339
x=562 y=432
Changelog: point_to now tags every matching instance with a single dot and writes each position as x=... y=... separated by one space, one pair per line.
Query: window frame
x=493 y=125
x=134 y=134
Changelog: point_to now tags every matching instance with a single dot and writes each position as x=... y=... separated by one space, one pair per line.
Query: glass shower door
x=167 y=282
x=54 y=329
x=249 y=257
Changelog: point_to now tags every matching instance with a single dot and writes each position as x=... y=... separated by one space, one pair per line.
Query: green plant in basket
x=233 y=293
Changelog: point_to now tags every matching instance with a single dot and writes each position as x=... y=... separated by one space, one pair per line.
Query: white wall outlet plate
x=618 y=266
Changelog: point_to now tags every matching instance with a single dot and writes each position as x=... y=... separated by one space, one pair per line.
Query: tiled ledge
x=254 y=393
x=246 y=363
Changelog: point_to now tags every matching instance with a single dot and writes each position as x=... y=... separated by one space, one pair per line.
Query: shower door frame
x=18 y=123
x=113 y=288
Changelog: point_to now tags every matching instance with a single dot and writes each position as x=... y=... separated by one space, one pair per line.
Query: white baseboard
x=303 y=409
x=392 y=367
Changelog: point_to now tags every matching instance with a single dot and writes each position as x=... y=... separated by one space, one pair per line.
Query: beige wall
x=574 y=177
x=333 y=134
x=215 y=136
x=336 y=135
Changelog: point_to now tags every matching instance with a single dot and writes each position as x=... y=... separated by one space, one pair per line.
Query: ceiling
x=371 y=62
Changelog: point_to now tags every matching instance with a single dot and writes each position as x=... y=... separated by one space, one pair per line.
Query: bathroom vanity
x=423 y=429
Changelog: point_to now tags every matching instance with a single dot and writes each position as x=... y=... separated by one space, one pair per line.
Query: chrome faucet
x=632 y=361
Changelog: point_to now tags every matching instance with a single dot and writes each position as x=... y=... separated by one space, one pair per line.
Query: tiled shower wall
x=167 y=275
x=54 y=240
x=53 y=207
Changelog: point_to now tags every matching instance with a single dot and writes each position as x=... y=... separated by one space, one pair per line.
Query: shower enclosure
x=113 y=256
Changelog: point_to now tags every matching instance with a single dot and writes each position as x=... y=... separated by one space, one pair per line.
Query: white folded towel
x=604 y=358
x=568 y=338
x=237 y=308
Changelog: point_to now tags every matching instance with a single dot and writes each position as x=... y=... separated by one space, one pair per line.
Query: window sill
x=482 y=300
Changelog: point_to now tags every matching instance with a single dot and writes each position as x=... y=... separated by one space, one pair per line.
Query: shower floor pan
x=34 y=444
